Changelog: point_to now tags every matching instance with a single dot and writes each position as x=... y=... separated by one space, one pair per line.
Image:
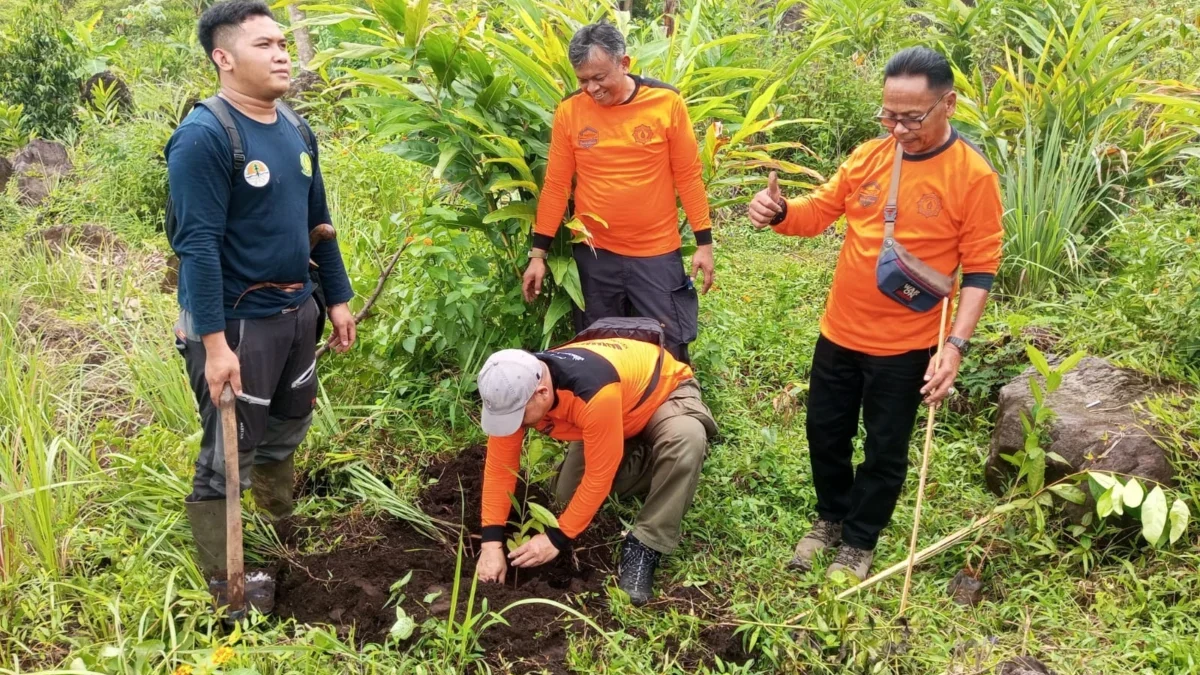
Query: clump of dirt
x=351 y=585
x=89 y=238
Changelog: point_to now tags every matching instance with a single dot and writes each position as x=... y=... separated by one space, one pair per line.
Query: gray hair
x=603 y=35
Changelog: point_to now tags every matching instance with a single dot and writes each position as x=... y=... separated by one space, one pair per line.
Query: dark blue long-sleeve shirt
x=236 y=231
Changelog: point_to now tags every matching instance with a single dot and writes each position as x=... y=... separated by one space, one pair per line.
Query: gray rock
x=38 y=167
x=965 y=589
x=1095 y=425
x=6 y=172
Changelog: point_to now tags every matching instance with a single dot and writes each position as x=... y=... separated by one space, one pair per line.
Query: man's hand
x=344 y=330
x=531 y=285
x=491 y=566
x=702 y=261
x=536 y=551
x=765 y=205
x=938 y=383
x=220 y=366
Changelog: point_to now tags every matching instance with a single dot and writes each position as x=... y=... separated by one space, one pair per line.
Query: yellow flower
x=222 y=656
x=427 y=241
x=184 y=669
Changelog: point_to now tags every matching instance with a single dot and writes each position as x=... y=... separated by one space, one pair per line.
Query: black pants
x=888 y=391
x=655 y=287
x=277 y=355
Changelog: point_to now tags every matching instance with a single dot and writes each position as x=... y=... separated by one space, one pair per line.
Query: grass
x=97 y=437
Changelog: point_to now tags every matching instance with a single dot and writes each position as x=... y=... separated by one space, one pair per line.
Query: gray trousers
x=662 y=463
x=656 y=287
x=277 y=355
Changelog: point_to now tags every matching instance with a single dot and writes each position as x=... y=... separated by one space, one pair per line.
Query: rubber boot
x=207 y=519
x=271 y=485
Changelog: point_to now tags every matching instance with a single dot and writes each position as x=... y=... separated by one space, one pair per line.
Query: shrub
x=40 y=69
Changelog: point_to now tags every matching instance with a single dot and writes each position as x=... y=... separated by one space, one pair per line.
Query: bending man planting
x=920 y=203
x=636 y=424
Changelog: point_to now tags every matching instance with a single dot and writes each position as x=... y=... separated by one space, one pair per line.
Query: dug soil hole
x=351 y=586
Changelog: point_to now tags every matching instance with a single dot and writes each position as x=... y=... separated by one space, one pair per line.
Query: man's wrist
x=488 y=545
x=960 y=345
x=214 y=342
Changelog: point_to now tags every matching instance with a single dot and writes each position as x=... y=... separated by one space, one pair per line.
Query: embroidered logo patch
x=907 y=293
x=929 y=205
x=588 y=137
x=868 y=194
x=257 y=174
x=306 y=164
x=643 y=134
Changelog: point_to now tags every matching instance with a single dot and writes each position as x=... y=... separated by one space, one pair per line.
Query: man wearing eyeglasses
x=874 y=351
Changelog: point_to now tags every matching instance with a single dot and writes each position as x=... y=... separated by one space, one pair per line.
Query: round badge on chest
x=257 y=174
x=306 y=164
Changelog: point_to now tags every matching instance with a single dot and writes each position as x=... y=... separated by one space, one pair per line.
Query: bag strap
x=889 y=209
x=654 y=377
x=291 y=116
x=220 y=109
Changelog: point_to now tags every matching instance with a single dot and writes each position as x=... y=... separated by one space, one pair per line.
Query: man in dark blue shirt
x=247 y=313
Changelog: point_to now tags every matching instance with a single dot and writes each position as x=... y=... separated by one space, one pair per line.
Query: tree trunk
x=304 y=48
x=669 y=16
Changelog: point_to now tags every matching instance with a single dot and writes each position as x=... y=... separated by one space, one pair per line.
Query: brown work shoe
x=824 y=533
x=855 y=561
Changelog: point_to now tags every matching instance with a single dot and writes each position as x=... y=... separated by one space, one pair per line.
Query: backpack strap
x=305 y=133
x=889 y=208
x=654 y=377
x=220 y=109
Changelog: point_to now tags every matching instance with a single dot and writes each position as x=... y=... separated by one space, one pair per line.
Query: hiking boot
x=855 y=561
x=636 y=572
x=824 y=534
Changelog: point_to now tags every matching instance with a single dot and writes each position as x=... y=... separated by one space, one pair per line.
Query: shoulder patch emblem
x=306 y=164
x=929 y=205
x=643 y=134
x=868 y=194
x=256 y=174
x=588 y=137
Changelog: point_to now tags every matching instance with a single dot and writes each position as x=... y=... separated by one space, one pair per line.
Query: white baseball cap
x=506 y=383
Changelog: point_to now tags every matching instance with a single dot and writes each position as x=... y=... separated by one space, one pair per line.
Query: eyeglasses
x=910 y=123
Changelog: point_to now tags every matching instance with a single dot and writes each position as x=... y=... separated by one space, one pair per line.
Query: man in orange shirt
x=637 y=426
x=629 y=145
x=874 y=351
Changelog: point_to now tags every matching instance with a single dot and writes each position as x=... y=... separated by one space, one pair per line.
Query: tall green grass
x=1054 y=190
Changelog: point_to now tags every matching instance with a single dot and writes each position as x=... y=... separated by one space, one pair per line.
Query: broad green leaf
x=1015 y=504
x=1057 y=458
x=1154 y=515
x=1038 y=360
x=1118 y=502
x=494 y=93
x=404 y=626
x=392 y=12
x=560 y=306
x=1133 y=493
x=416 y=16
x=1104 y=505
x=478 y=66
x=542 y=514
x=1069 y=493
x=422 y=152
x=442 y=52
x=1104 y=480
x=381 y=82
x=513 y=184
x=448 y=153
x=566 y=275
x=521 y=210
x=1179 y=519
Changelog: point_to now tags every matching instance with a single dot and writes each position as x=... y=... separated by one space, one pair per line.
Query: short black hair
x=603 y=35
x=225 y=15
x=916 y=61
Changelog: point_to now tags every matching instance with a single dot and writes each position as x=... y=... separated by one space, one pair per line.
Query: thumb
x=773 y=187
x=235 y=381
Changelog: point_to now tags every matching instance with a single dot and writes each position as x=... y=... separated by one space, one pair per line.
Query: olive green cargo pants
x=662 y=463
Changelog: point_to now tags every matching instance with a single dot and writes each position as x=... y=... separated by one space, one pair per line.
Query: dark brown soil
x=350 y=586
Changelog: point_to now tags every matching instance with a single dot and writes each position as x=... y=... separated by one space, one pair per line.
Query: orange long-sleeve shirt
x=628 y=162
x=597 y=386
x=949 y=215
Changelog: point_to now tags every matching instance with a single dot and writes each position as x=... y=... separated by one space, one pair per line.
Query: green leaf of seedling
x=1038 y=360
x=1069 y=493
x=1179 y=519
x=542 y=514
x=1132 y=493
x=1154 y=515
